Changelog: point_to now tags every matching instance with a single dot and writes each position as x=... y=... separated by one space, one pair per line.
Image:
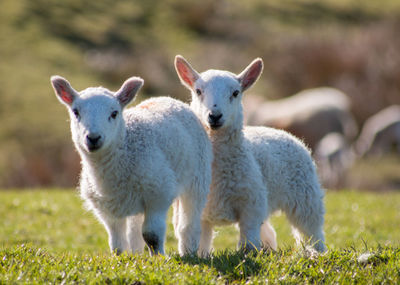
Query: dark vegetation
x=350 y=45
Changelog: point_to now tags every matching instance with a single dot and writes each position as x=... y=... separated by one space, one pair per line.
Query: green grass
x=47 y=237
x=26 y=264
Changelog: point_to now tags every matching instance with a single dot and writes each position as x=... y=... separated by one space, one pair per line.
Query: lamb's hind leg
x=307 y=219
x=175 y=216
x=134 y=233
x=154 y=227
x=205 y=238
x=268 y=236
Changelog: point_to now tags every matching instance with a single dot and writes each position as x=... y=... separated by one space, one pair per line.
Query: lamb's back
x=169 y=127
x=284 y=160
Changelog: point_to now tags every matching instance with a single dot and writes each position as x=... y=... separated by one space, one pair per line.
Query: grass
x=47 y=237
x=25 y=264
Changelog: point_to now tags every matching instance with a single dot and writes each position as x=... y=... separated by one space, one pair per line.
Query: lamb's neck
x=226 y=138
x=102 y=165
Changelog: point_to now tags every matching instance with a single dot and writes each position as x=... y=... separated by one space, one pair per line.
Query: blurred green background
x=351 y=45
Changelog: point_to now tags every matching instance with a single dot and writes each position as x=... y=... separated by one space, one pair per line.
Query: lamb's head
x=96 y=113
x=217 y=94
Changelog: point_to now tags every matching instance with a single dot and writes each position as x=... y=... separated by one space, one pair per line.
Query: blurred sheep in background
x=380 y=133
x=334 y=157
x=309 y=115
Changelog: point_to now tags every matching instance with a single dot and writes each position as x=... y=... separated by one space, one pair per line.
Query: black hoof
x=117 y=251
x=152 y=242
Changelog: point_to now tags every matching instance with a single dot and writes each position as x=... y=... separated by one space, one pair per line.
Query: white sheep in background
x=136 y=162
x=334 y=157
x=299 y=113
x=256 y=170
x=380 y=133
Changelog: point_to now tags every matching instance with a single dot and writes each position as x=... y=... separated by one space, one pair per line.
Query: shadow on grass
x=232 y=265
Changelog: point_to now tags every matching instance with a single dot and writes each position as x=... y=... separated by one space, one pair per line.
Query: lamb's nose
x=214 y=118
x=93 y=142
x=93 y=139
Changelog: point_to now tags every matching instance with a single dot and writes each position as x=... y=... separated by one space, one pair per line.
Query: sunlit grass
x=56 y=220
x=47 y=237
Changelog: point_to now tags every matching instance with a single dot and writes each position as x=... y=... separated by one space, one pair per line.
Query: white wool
x=149 y=156
x=256 y=170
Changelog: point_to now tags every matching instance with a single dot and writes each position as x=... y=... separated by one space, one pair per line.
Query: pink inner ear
x=127 y=92
x=251 y=75
x=65 y=96
x=185 y=74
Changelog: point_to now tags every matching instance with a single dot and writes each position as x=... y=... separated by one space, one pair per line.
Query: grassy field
x=47 y=237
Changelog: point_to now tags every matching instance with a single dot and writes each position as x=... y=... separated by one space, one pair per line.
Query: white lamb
x=136 y=162
x=256 y=170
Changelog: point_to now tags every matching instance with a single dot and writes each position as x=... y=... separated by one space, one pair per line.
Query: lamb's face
x=96 y=120
x=216 y=94
x=96 y=113
x=216 y=99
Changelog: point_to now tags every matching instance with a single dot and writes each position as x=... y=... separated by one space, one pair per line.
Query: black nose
x=93 y=142
x=213 y=120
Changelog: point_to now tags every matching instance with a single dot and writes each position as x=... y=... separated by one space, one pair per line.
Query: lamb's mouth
x=93 y=147
x=215 y=126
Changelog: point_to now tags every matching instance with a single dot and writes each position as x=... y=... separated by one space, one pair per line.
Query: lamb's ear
x=129 y=90
x=250 y=74
x=187 y=74
x=63 y=89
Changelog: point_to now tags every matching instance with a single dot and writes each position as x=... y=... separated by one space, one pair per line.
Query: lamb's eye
x=235 y=93
x=198 y=91
x=76 y=113
x=114 y=114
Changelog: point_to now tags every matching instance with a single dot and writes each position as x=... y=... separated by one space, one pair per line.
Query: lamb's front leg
x=116 y=228
x=154 y=227
x=249 y=236
x=250 y=223
x=189 y=229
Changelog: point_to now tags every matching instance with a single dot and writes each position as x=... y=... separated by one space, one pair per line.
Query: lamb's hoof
x=152 y=242
x=117 y=251
x=248 y=248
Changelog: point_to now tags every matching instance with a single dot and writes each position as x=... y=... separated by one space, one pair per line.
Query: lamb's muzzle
x=93 y=142
x=214 y=120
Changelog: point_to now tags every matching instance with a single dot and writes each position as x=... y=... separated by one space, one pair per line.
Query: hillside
x=351 y=45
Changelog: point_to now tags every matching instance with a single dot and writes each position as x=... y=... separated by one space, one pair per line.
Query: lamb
x=136 y=162
x=256 y=170
x=298 y=113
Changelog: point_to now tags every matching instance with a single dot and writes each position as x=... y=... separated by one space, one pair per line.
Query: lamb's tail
x=268 y=236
